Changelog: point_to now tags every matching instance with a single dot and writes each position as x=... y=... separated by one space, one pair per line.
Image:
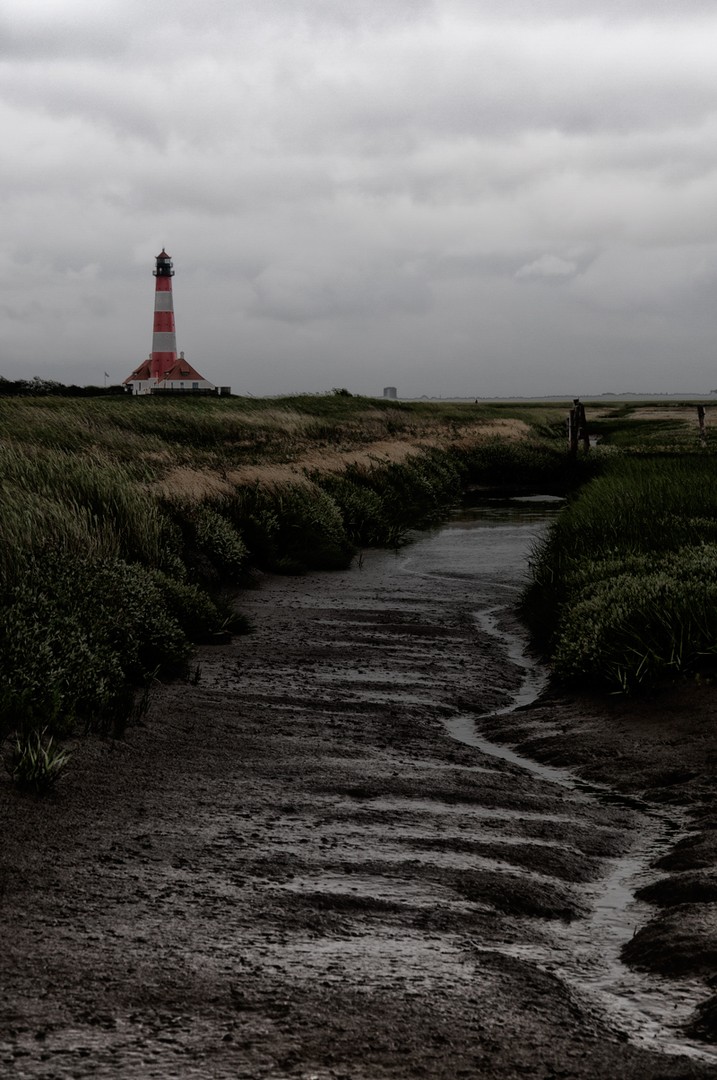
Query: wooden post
x=577 y=428
x=572 y=434
x=583 y=430
x=701 y=422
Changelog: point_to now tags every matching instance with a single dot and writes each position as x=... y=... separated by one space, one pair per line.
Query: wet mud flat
x=316 y=862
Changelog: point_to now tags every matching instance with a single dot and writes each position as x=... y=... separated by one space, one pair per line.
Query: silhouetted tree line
x=37 y=387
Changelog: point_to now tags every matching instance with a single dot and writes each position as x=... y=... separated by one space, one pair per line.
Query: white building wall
x=144 y=386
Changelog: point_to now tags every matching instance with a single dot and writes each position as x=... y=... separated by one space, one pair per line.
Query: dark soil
x=293 y=872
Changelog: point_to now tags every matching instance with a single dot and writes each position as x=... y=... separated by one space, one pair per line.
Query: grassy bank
x=128 y=523
x=624 y=589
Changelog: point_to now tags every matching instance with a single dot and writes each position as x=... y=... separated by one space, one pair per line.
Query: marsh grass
x=52 y=499
x=624 y=588
x=526 y=463
x=378 y=505
x=235 y=429
x=658 y=429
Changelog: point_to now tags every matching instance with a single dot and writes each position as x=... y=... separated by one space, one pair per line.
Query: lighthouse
x=164 y=338
x=164 y=371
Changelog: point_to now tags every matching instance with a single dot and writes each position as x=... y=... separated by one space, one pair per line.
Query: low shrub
x=213 y=550
x=75 y=632
x=635 y=629
x=364 y=513
x=195 y=612
x=293 y=528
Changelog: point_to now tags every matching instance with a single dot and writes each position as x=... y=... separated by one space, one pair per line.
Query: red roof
x=142 y=372
x=181 y=372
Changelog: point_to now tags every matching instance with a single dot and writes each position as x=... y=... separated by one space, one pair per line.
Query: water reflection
x=519 y=510
x=485 y=538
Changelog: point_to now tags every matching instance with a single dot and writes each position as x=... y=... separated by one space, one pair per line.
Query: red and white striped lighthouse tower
x=164 y=371
x=164 y=338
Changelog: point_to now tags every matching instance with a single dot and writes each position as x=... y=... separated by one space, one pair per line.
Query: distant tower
x=390 y=392
x=164 y=338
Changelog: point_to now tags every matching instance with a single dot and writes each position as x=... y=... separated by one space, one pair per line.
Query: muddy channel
x=365 y=841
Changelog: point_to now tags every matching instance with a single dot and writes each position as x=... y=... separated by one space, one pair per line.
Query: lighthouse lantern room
x=163 y=371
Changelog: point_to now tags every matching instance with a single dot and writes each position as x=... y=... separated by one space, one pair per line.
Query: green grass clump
x=639 y=625
x=36 y=762
x=624 y=588
x=421 y=488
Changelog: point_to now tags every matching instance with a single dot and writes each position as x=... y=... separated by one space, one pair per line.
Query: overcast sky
x=455 y=197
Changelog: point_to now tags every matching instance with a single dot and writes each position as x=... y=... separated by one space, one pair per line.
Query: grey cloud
x=48 y=42
x=305 y=293
x=21 y=312
x=547 y=266
x=610 y=11
x=637 y=280
x=122 y=103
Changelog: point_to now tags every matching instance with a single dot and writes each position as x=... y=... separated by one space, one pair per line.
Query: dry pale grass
x=270 y=476
x=601 y=413
x=509 y=428
x=324 y=461
x=194 y=485
x=288 y=421
x=688 y=413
